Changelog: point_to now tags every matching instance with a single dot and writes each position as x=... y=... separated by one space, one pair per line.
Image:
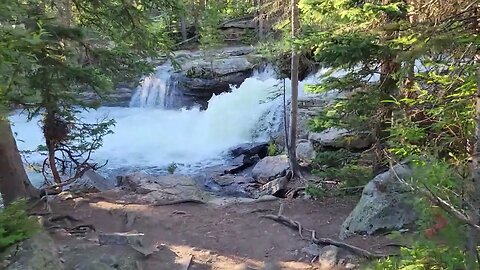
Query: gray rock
x=311 y=250
x=248 y=23
x=305 y=150
x=341 y=138
x=99 y=258
x=328 y=257
x=274 y=187
x=120 y=239
x=386 y=204
x=250 y=149
x=36 y=253
x=160 y=189
x=91 y=182
x=270 y=168
x=207 y=73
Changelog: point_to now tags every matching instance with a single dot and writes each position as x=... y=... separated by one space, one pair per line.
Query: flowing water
x=149 y=137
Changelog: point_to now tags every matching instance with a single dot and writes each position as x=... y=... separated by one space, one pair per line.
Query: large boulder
x=386 y=204
x=91 y=182
x=37 y=253
x=162 y=189
x=305 y=151
x=270 y=167
x=341 y=138
x=203 y=74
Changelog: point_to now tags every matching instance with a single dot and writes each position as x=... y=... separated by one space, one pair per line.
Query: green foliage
x=210 y=36
x=349 y=175
x=439 y=240
x=333 y=158
x=315 y=191
x=15 y=224
x=341 y=166
x=172 y=167
x=51 y=54
x=424 y=255
x=273 y=149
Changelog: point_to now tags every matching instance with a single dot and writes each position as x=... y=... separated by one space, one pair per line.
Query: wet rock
x=240 y=163
x=160 y=189
x=270 y=168
x=37 y=253
x=204 y=74
x=341 y=138
x=250 y=150
x=386 y=204
x=328 y=257
x=225 y=180
x=91 y=182
x=305 y=150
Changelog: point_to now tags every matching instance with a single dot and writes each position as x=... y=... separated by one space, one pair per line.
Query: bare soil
x=215 y=237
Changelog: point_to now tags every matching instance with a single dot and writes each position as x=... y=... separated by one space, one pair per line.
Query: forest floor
x=205 y=236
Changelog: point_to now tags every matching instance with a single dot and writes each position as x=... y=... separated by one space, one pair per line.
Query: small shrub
x=333 y=158
x=341 y=165
x=314 y=191
x=15 y=224
x=273 y=149
x=172 y=168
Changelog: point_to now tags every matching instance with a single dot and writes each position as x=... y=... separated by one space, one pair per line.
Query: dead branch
x=447 y=207
x=324 y=241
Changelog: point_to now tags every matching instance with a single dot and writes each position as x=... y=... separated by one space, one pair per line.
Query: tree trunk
x=50 y=133
x=473 y=259
x=292 y=155
x=14 y=183
x=260 y=17
x=183 y=27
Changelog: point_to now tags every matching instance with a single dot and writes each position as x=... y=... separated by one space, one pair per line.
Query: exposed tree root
x=178 y=202
x=324 y=241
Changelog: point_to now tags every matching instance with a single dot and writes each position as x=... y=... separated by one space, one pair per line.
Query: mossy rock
x=37 y=253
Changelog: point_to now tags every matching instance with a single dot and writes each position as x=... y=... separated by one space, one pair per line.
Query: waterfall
x=149 y=137
x=153 y=89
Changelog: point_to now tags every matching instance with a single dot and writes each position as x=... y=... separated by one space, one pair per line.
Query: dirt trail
x=218 y=237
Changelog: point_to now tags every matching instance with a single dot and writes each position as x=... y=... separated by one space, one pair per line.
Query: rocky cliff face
x=196 y=77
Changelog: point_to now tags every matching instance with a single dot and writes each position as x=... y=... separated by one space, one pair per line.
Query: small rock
x=350 y=266
x=312 y=250
x=120 y=238
x=90 y=182
x=328 y=257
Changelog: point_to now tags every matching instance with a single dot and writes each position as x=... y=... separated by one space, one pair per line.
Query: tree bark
x=292 y=153
x=183 y=27
x=14 y=183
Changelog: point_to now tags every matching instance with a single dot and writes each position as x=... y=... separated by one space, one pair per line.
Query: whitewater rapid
x=149 y=138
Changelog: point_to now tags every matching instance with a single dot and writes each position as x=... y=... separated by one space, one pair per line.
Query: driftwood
x=324 y=241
